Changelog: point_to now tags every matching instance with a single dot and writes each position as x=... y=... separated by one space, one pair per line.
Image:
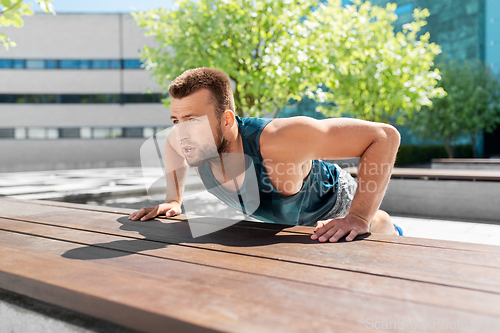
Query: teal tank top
x=314 y=200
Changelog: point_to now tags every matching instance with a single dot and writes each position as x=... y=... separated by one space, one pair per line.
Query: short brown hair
x=212 y=79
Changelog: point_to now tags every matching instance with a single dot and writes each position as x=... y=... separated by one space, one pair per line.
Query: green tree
x=264 y=46
x=278 y=51
x=471 y=106
x=374 y=73
x=11 y=12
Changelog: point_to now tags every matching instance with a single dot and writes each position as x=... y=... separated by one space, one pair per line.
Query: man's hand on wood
x=169 y=209
x=333 y=230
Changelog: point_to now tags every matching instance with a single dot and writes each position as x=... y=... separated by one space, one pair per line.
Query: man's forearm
x=374 y=172
x=175 y=184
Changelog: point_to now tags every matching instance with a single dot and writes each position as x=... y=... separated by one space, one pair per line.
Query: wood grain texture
x=249 y=277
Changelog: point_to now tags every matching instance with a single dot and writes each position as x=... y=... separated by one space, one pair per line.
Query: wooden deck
x=437 y=174
x=251 y=277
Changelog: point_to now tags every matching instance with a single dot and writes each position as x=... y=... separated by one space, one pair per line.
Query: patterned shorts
x=346 y=190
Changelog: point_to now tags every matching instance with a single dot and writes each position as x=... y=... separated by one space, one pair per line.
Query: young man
x=295 y=185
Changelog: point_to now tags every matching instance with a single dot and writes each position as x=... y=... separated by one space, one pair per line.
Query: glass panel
x=132 y=132
x=117 y=132
x=20 y=133
x=132 y=63
x=69 y=132
x=50 y=64
x=18 y=63
x=6 y=133
x=132 y=98
x=101 y=132
x=100 y=64
x=19 y=99
x=70 y=98
x=7 y=98
x=52 y=133
x=84 y=64
x=41 y=98
x=35 y=64
x=403 y=9
x=69 y=64
x=109 y=98
x=116 y=64
x=86 y=133
x=5 y=63
x=36 y=133
x=147 y=132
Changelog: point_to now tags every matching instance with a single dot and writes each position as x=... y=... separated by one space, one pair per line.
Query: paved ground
x=125 y=187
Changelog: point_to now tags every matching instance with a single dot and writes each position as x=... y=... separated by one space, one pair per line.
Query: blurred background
x=84 y=84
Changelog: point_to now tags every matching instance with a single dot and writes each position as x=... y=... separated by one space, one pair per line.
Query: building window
x=5 y=63
x=51 y=64
x=7 y=133
x=404 y=9
x=69 y=64
x=132 y=132
x=78 y=99
x=100 y=64
x=41 y=98
x=66 y=133
x=36 y=133
x=131 y=63
x=18 y=63
x=101 y=133
x=35 y=64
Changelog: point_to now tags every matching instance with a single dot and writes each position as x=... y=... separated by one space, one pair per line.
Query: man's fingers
x=152 y=213
x=338 y=235
x=329 y=233
x=351 y=235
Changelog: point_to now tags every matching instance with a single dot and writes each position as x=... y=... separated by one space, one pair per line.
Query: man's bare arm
x=303 y=138
x=175 y=173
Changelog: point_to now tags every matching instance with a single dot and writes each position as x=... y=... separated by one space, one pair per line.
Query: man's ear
x=228 y=119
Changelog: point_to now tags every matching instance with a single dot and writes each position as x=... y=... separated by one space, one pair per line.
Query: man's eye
x=193 y=120
x=175 y=122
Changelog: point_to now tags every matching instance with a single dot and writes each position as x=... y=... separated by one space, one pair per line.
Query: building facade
x=73 y=93
x=465 y=29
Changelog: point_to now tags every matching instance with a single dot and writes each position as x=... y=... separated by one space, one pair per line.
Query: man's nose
x=182 y=132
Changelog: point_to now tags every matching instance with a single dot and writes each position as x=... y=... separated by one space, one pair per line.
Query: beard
x=207 y=155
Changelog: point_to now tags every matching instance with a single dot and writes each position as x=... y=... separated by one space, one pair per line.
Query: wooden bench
x=449 y=194
x=250 y=277
x=466 y=163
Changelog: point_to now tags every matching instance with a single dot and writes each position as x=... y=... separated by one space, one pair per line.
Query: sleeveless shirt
x=313 y=201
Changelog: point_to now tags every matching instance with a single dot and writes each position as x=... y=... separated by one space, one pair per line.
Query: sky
x=103 y=6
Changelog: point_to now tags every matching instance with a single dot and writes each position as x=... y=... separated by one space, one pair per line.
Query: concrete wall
x=85 y=37
x=464 y=200
x=77 y=115
x=33 y=155
x=76 y=36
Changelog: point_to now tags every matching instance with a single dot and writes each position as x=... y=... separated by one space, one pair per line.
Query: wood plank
x=418 y=173
x=414 y=241
x=207 y=296
x=284 y=246
x=356 y=283
x=466 y=160
x=143 y=298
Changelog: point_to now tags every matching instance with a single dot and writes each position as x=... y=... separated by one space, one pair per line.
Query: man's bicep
x=304 y=138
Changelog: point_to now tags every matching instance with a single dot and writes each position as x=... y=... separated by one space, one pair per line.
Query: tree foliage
x=278 y=51
x=374 y=73
x=264 y=46
x=471 y=106
x=11 y=12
